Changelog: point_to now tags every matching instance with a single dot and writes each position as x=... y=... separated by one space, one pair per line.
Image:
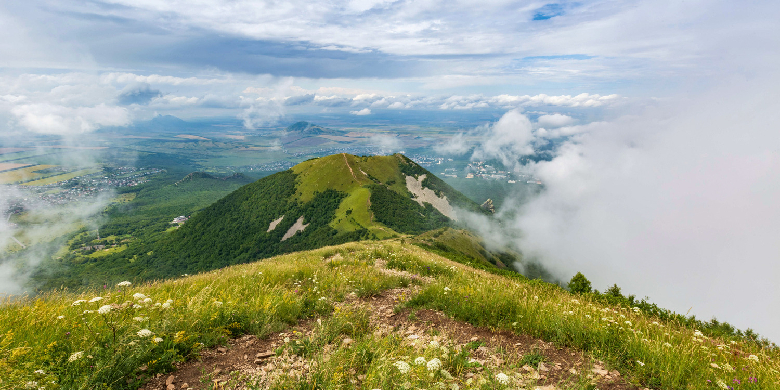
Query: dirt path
x=250 y=357
x=350 y=168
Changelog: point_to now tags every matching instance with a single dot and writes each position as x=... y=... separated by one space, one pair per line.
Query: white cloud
x=678 y=203
x=46 y=118
x=507 y=140
x=364 y=111
x=554 y=120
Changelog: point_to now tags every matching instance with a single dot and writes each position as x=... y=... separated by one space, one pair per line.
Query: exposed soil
x=249 y=356
x=427 y=195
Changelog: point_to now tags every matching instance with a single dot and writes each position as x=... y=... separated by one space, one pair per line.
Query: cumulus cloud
x=554 y=120
x=46 y=118
x=388 y=143
x=299 y=100
x=364 y=111
x=137 y=94
x=456 y=145
x=678 y=203
x=507 y=140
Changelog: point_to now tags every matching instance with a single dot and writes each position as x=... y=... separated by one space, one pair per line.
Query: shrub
x=579 y=284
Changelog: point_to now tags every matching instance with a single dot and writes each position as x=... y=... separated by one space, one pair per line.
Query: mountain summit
x=323 y=201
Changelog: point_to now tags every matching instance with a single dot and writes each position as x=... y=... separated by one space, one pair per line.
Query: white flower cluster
x=105 y=309
x=167 y=304
x=144 y=333
x=420 y=361
x=75 y=356
x=79 y=302
x=434 y=364
x=138 y=296
x=753 y=357
x=124 y=284
x=95 y=299
x=402 y=366
x=502 y=378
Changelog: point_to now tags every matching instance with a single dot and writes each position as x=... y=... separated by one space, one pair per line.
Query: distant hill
x=305 y=134
x=236 y=177
x=307 y=128
x=318 y=202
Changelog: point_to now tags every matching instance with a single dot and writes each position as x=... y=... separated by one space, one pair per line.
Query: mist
x=677 y=203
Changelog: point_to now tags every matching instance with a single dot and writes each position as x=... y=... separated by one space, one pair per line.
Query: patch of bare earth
x=249 y=357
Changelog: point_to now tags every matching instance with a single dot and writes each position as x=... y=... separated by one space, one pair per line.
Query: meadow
x=120 y=336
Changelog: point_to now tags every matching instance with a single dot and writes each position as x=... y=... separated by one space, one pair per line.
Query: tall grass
x=663 y=355
x=77 y=341
x=133 y=332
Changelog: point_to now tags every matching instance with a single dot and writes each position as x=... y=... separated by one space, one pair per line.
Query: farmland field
x=29 y=173
x=63 y=177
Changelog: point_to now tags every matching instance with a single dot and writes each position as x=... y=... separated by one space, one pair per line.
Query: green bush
x=579 y=284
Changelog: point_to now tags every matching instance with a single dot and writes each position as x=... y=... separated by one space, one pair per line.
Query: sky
x=667 y=182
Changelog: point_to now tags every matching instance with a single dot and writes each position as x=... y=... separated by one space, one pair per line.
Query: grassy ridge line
x=659 y=355
x=120 y=340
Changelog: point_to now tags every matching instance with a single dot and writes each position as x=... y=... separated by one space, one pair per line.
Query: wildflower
x=323 y=298
x=753 y=358
x=124 y=284
x=640 y=363
x=402 y=366
x=144 y=333
x=105 y=309
x=139 y=319
x=420 y=361
x=447 y=289
x=728 y=367
x=434 y=364
x=636 y=309
x=445 y=374
x=502 y=378
x=88 y=311
x=138 y=296
x=217 y=303
x=39 y=372
x=714 y=365
x=434 y=344
x=722 y=384
x=158 y=304
x=31 y=385
x=95 y=299
x=60 y=317
x=454 y=386
x=137 y=306
x=286 y=339
x=147 y=300
x=76 y=303
x=628 y=323
x=166 y=305
x=698 y=333
x=75 y=356
x=157 y=340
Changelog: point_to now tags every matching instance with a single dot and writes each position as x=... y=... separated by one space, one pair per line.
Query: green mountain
x=324 y=201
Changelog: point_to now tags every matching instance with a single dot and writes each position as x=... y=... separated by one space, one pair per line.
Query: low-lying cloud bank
x=678 y=203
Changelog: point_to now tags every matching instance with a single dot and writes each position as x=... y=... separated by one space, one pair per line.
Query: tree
x=579 y=284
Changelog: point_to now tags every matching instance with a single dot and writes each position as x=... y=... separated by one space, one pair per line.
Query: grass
x=22 y=174
x=63 y=177
x=664 y=355
x=56 y=343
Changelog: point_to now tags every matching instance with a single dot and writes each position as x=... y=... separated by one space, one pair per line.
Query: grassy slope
x=49 y=332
